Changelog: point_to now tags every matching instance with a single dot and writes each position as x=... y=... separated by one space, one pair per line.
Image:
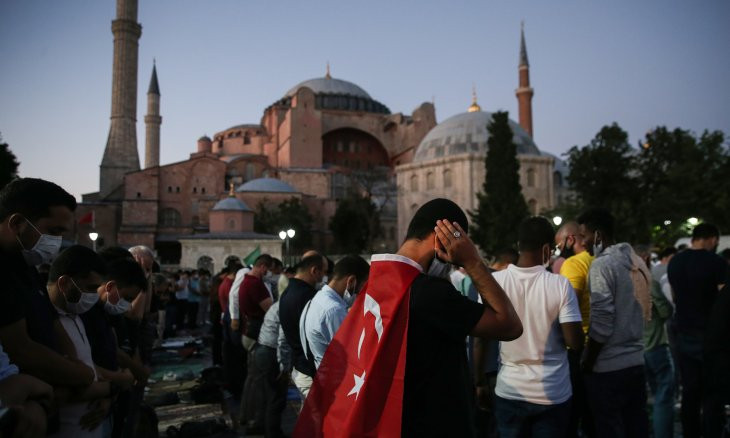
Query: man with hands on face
x=438 y=399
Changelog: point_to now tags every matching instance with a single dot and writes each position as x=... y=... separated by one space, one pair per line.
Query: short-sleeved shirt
x=695 y=275
x=535 y=365
x=252 y=292
x=101 y=337
x=575 y=269
x=25 y=297
x=438 y=396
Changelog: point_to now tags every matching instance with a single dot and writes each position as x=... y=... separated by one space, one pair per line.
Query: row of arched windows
x=446 y=180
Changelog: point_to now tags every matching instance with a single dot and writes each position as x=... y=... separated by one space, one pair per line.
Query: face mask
x=44 y=251
x=439 y=269
x=349 y=297
x=117 y=309
x=597 y=247
x=86 y=302
x=567 y=251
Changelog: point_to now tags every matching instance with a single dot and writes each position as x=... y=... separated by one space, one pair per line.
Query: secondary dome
x=266 y=185
x=231 y=204
x=328 y=85
x=467 y=132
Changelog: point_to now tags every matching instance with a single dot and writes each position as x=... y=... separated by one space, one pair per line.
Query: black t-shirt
x=291 y=305
x=694 y=275
x=717 y=346
x=25 y=297
x=101 y=337
x=438 y=397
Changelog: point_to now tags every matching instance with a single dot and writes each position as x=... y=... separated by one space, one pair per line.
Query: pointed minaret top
x=154 y=86
x=231 y=190
x=474 y=107
x=328 y=75
x=523 y=47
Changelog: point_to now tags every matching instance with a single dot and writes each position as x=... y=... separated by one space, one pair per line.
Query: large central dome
x=467 y=133
x=328 y=85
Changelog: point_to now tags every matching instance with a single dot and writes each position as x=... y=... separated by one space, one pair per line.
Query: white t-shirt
x=534 y=367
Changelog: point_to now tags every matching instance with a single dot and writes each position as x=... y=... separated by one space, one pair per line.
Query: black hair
x=351 y=265
x=263 y=259
x=424 y=220
x=74 y=261
x=705 y=231
x=534 y=233
x=276 y=263
x=126 y=273
x=598 y=219
x=666 y=252
x=111 y=253
x=290 y=270
x=330 y=266
x=312 y=261
x=33 y=198
x=725 y=253
x=507 y=255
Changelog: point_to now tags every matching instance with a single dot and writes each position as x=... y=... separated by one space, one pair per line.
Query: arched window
x=231 y=224
x=246 y=139
x=430 y=181
x=169 y=217
x=195 y=190
x=530 y=177
x=250 y=171
x=447 y=178
x=532 y=206
x=414 y=183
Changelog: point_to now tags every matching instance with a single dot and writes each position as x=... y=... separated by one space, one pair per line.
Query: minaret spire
x=524 y=92
x=474 y=107
x=328 y=75
x=120 y=154
x=152 y=122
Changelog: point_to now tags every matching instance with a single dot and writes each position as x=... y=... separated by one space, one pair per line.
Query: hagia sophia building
x=309 y=144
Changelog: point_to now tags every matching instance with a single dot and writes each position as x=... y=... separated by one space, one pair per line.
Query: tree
x=270 y=219
x=603 y=174
x=8 y=164
x=355 y=224
x=500 y=204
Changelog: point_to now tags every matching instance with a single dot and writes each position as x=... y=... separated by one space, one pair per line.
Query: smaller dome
x=266 y=185
x=204 y=138
x=231 y=204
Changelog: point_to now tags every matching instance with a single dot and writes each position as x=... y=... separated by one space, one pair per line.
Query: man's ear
x=15 y=221
x=64 y=283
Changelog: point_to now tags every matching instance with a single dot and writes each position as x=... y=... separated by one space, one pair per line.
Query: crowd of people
x=565 y=335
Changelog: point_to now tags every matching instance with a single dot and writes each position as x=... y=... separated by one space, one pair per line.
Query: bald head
x=567 y=237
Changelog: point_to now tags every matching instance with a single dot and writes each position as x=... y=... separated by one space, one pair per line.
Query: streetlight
x=667 y=222
x=557 y=220
x=286 y=236
x=693 y=221
x=93 y=236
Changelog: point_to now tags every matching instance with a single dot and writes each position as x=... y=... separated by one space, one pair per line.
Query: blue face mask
x=439 y=268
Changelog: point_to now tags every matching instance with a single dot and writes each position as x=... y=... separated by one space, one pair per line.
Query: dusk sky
x=222 y=62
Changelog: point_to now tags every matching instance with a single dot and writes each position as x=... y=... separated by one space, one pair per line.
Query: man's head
x=312 y=269
x=31 y=208
x=75 y=275
x=705 y=236
x=666 y=254
x=125 y=280
x=160 y=282
x=567 y=241
x=349 y=274
x=144 y=256
x=535 y=239
x=420 y=236
x=504 y=258
x=596 y=230
x=276 y=266
x=261 y=265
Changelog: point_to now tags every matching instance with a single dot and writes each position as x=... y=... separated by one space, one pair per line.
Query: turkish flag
x=358 y=389
x=87 y=218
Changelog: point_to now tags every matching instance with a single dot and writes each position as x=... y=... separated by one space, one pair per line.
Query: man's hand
x=127 y=380
x=31 y=421
x=234 y=324
x=452 y=245
x=97 y=412
x=16 y=389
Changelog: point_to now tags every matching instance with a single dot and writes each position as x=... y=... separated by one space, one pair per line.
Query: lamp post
x=557 y=220
x=282 y=236
x=93 y=236
x=286 y=236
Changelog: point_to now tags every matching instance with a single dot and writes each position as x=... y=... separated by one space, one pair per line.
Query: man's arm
x=573 y=335
x=266 y=303
x=233 y=304
x=603 y=314
x=40 y=361
x=499 y=320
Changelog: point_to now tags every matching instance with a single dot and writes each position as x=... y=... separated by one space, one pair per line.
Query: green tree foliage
x=355 y=224
x=8 y=164
x=271 y=218
x=500 y=204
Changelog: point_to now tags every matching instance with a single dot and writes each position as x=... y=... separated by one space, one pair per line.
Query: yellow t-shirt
x=575 y=269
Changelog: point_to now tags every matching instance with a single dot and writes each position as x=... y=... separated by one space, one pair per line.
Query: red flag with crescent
x=358 y=389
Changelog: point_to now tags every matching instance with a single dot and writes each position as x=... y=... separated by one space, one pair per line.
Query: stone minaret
x=524 y=92
x=152 y=122
x=120 y=155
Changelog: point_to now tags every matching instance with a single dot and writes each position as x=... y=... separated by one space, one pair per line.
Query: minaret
x=524 y=92
x=120 y=155
x=152 y=122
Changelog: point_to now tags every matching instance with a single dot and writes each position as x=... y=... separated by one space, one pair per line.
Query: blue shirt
x=320 y=320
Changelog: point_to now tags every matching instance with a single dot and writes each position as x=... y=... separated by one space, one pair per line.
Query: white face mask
x=439 y=269
x=349 y=297
x=117 y=309
x=597 y=247
x=86 y=302
x=44 y=251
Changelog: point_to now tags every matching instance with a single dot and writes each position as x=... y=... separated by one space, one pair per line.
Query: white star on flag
x=359 y=380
